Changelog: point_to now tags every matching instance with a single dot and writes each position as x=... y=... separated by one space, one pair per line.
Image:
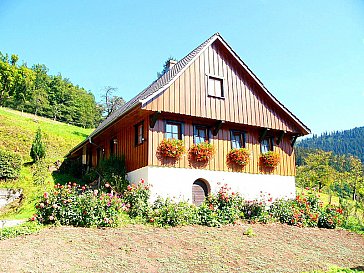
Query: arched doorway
x=200 y=190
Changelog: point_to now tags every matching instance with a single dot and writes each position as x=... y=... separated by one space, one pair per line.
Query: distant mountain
x=343 y=142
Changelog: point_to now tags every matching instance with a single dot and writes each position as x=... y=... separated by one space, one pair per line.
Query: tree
x=38 y=150
x=112 y=103
x=316 y=170
x=355 y=176
x=166 y=66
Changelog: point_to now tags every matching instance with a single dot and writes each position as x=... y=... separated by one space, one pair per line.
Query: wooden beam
x=218 y=125
x=263 y=133
x=153 y=119
x=280 y=137
x=293 y=141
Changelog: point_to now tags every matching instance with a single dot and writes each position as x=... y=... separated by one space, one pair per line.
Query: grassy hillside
x=17 y=131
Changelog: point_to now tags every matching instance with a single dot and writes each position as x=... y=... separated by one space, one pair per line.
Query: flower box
x=202 y=152
x=240 y=157
x=269 y=159
x=171 y=148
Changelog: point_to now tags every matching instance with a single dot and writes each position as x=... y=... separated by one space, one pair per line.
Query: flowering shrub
x=172 y=148
x=239 y=157
x=78 y=206
x=224 y=208
x=136 y=199
x=330 y=217
x=269 y=159
x=306 y=211
x=202 y=152
x=165 y=212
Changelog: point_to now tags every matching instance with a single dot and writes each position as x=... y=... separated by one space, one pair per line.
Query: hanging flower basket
x=171 y=148
x=269 y=159
x=240 y=157
x=202 y=152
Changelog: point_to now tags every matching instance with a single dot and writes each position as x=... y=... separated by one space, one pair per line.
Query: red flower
x=46 y=195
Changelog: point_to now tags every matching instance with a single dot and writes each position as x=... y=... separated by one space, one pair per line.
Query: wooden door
x=199 y=192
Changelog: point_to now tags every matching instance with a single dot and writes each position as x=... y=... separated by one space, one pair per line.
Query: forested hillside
x=348 y=142
x=32 y=90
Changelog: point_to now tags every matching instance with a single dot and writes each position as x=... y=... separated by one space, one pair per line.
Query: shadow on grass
x=63 y=178
x=80 y=134
x=359 y=268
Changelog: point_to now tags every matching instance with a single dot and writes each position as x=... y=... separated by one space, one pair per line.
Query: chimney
x=170 y=64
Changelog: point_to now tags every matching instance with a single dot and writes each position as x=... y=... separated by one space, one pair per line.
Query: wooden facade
x=243 y=104
x=243 y=101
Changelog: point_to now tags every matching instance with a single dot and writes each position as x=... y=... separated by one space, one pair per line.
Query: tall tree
x=111 y=103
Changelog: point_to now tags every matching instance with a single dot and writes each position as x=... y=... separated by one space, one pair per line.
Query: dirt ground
x=137 y=248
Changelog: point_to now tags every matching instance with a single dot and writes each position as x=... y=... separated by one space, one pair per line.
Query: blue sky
x=309 y=54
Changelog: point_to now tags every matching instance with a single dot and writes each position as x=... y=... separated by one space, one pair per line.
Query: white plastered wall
x=177 y=182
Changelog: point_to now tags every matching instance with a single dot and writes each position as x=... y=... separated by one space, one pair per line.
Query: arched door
x=199 y=192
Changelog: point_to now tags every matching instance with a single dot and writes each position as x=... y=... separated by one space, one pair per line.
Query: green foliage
x=225 y=207
x=34 y=91
x=78 y=206
x=340 y=143
x=72 y=167
x=38 y=150
x=165 y=66
x=113 y=172
x=306 y=210
x=40 y=172
x=136 y=199
x=17 y=131
x=10 y=164
x=24 y=229
x=168 y=213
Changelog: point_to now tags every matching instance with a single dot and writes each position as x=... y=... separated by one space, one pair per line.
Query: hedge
x=10 y=164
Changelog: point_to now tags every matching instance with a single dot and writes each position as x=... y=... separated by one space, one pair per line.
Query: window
x=173 y=130
x=266 y=145
x=113 y=146
x=215 y=87
x=237 y=139
x=139 y=133
x=200 y=134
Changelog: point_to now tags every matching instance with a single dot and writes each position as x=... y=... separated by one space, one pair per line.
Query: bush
x=136 y=199
x=330 y=217
x=168 y=213
x=226 y=205
x=72 y=166
x=10 y=164
x=113 y=171
x=38 y=150
x=79 y=206
x=306 y=211
x=40 y=172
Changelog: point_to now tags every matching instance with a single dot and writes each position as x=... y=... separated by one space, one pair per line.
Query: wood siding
x=244 y=102
x=124 y=131
x=222 y=144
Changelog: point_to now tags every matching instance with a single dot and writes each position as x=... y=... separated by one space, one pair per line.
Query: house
x=209 y=95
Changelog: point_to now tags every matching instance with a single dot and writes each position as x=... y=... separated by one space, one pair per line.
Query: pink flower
x=51 y=218
x=83 y=188
x=46 y=195
x=41 y=205
x=107 y=185
x=33 y=218
x=96 y=192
